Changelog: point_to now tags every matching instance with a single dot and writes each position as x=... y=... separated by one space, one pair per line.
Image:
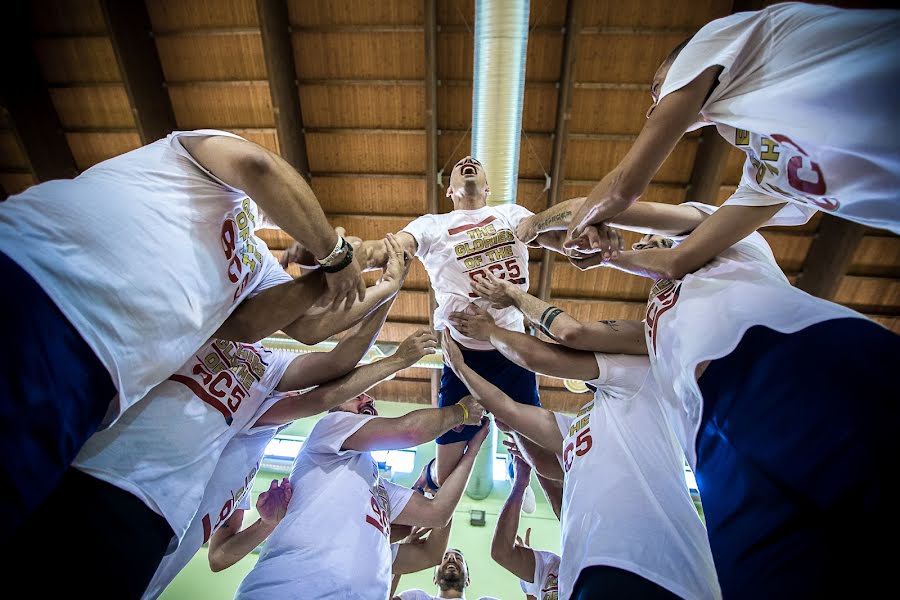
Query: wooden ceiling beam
x=131 y=34
x=829 y=256
x=431 y=150
x=26 y=99
x=709 y=167
x=561 y=137
x=279 y=54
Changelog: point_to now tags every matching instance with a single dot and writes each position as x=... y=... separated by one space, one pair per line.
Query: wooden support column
x=431 y=183
x=131 y=34
x=829 y=256
x=709 y=167
x=23 y=93
x=561 y=135
x=279 y=51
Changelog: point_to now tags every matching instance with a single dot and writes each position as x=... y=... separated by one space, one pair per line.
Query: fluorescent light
x=283 y=449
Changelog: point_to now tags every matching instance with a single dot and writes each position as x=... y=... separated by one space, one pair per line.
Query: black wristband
x=348 y=258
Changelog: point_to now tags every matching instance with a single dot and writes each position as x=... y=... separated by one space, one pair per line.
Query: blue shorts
x=54 y=392
x=517 y=383
x=797 y=459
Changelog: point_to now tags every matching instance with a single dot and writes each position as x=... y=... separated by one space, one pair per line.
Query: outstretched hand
x=272 y=504
x=417 y=345
x=474 y=322
x=498 y=291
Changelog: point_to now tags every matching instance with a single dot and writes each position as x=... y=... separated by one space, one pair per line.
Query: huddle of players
x=131 y=457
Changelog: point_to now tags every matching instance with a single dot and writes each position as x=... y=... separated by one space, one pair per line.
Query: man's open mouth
x=469 y=170
x=368 y=409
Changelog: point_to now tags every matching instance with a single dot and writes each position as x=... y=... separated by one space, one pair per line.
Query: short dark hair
x=677 y=50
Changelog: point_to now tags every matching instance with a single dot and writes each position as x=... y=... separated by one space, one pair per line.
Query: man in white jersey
x=219 y=519
x=783 y=403
x=537 y=570
x=342 y=508
x=138 y=483
x=629 y=526
x=808 y=92
x=451 y=578
x=123 y=272
x=456 y=249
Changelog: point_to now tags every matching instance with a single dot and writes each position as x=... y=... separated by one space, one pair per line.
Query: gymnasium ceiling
x=362 y=72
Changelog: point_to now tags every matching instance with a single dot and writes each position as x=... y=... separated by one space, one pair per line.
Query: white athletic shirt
x=740 y=288
x=544 y=584
x=334 y=541
x=229 y=489
x=625 y=500
x=458 y=246
x=146 y=254
x=165 y=448
x=810 y=94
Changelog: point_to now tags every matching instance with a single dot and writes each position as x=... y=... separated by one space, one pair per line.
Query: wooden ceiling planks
x=103 y=106
x=368 y=195
x=68 y=60
x=361 y=105
x=89 y=148
x=592 y=158
x=177 y=15
x=323 y=13
x=220 y=56
x=367 y=151
x=223 y=105
x=359 y=54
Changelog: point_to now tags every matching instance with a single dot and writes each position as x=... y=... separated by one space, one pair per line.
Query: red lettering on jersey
x=201 y=393
x=462 y=228
x=659 y=304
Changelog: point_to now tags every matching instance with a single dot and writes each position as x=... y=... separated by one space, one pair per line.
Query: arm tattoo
x=614 y=325
x=547 y=319
x=553 y=220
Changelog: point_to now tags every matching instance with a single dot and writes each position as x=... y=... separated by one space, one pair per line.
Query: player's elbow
x=217 y=562
x=678 y=264
x=254 y=163
x=499 y=551
x=569 y=334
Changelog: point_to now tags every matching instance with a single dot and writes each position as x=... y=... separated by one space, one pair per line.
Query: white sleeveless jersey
x=625 y=500
x=165 y=448
x=459 y=246
x=810 y=94
x=704 y=315
x=146 y=254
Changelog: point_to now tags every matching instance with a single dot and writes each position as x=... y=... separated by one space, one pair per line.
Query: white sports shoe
x=529 y=504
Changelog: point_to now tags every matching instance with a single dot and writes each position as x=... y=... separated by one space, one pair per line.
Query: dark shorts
x=797 y=460
x=103 y=539
x=517 y=383
x=54 y=392
x=616 y=584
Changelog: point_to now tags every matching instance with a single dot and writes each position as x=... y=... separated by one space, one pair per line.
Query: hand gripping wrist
x=465 y=412
x=333 y=265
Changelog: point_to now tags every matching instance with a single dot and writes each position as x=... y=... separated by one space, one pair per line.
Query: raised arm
x=354 y=383
x=317 y=368
x=413 y=428
x=229 y=543
x=320 y=323
x=623 y=185
x=283 y=194
x=518 y=560
x=612 y=337
x=416 y=556
x=714 y=234
x=534 y=422
x=437 y=511
x=525 y=350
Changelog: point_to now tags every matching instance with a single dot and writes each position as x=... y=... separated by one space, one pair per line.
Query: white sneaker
x=529 y=504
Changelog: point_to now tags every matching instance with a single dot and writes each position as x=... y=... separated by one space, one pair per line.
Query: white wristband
x=326 y=262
